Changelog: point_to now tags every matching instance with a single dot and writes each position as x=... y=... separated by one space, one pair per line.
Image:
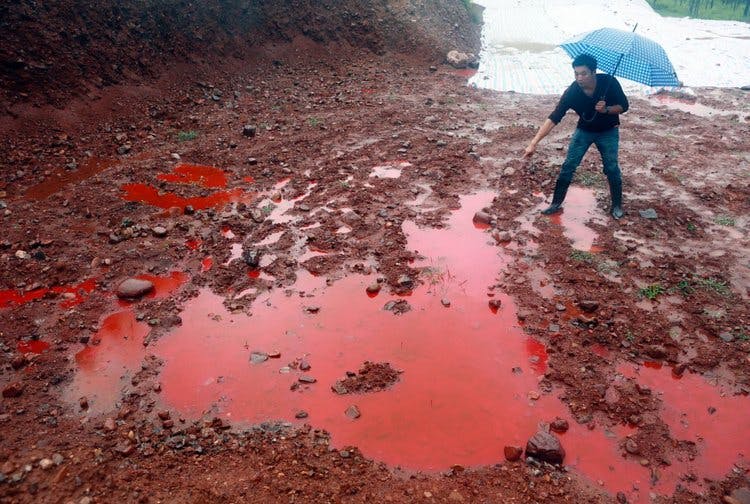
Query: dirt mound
x=52 y=51
x=372 y=377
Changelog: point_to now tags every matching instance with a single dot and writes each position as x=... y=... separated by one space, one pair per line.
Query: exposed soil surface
x=279 y=198
x=371 y=377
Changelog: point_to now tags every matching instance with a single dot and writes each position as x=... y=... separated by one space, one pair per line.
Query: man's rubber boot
x=561 y=189
x=615 y=191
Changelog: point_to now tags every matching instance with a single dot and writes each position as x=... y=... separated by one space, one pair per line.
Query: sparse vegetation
x=724 y=220
x=314 y=122
x=652 y=291
x=184 y=136
x=582 y=256
x=713 y=284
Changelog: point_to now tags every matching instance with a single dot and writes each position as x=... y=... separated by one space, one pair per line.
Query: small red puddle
x=579 y=208
x=72 y=295
x=466 y=72
x=163 y=285
x=145 y=193
x=193 y=244
x=32 y=346
x=104 y=368
x=207 y=263
x=698 y=412
x=467 y=372
x=63 y=177
x=204 y=176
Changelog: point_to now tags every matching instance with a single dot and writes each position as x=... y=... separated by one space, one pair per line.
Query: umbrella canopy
x=625 y=54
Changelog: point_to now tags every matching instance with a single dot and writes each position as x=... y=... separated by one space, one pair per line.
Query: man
x=598 y=100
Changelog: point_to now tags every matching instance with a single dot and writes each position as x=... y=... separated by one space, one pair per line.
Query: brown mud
x=306 y=205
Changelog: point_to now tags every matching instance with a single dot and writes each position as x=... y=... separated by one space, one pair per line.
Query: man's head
x=584 y=67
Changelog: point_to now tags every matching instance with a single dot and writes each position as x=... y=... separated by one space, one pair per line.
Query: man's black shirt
x=590 y=120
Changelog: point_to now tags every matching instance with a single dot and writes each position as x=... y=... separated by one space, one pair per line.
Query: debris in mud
x=134 y=288
x=544 y=446
x=398 y=307
x=353 y=412
x=372 y=377
x=251 y=257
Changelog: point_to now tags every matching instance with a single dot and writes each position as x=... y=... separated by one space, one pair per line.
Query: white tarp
x=520 y=38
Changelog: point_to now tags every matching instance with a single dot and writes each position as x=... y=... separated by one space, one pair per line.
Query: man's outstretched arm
x=544 y=130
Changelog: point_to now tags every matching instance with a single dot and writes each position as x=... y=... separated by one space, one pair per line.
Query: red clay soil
x=646 y=327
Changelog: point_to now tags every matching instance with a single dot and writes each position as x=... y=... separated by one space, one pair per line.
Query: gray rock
x=545 y=447
x=649 y=213
x=727 y=336
x=445 y=302
x=301 y=414
x=159 y=231
x=353 y=412
x=134 y=288
x=251 y=257
x=258 y=357
x=306 y=379
x=459 y=59
x=249 y=130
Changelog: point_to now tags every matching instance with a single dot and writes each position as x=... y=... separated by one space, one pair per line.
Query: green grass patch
x=652 y=291
x=582 y=256
x=733 y=10
x=184 y=136
x=724 y=220
x=314 y=121
x=713 y=284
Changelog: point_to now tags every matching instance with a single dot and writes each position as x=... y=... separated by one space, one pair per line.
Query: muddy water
x=63 y=177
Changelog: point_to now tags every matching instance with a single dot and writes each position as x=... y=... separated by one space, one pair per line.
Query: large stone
x=512 y=453
x=458 y=59
x=545 y=447
x=134 y=288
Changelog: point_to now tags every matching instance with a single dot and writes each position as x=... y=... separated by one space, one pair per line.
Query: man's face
x=584 y=77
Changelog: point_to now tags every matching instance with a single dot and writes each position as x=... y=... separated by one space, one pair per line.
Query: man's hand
x=601 y=107
x=529 y=151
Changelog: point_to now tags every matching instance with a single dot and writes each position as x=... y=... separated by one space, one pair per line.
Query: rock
x=134 y=288
x=175 y=156
x=306 y=379
x=339 y=388
x=109 y=424
x=656 y=352
x=622 y=498
x=83 y=402
x=164 y=415
x=459 y=59
x=433 y=68
x=559 y=425
x=22 y=254
x=14 y=389
x=124 y=448
x=588 y=305
x=252 y=161
x=533 y=395
x=159 y=231
x=58 y=459
x=741 y=495
x=727 y=336
x=46 y=463
x=512 y=453
x=405 y=281
x=353 y=412
x=251 y=257
x=249 y=130
x=397 y=307
x=482 y=217
x=312 y=309
x=545 y=447
x=445 y=302
x=501 y=236
x=301 y=414
x=649 y=213
x=304 y=365
x=494 y=304
x=373 y=288
x=19 y=361
x=258 y=357
x=632 y=447
x=274 y=354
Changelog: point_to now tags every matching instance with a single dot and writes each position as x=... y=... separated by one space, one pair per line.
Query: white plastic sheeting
x=520 y=39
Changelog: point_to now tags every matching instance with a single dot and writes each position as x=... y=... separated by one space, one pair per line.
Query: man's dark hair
x=585 y=60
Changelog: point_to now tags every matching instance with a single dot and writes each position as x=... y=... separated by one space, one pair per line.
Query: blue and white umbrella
x=625 y=54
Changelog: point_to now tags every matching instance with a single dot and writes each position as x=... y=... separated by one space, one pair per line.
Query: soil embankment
x=324 y=307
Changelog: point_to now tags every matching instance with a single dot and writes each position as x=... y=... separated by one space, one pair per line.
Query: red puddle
x=458 y=400
x=62 y=177
x=76 y=294
x=32 y=346
x=579 y=208
x=204 y=176
x=105 y=368
x=145 y=193
x=722 y=437
x=207 y=263
x=193 y=244
x=163 y=285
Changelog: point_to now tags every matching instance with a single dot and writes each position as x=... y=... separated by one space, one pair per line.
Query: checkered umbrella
x=625 y=54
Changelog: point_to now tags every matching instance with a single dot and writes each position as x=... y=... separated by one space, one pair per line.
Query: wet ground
x=379 y=214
